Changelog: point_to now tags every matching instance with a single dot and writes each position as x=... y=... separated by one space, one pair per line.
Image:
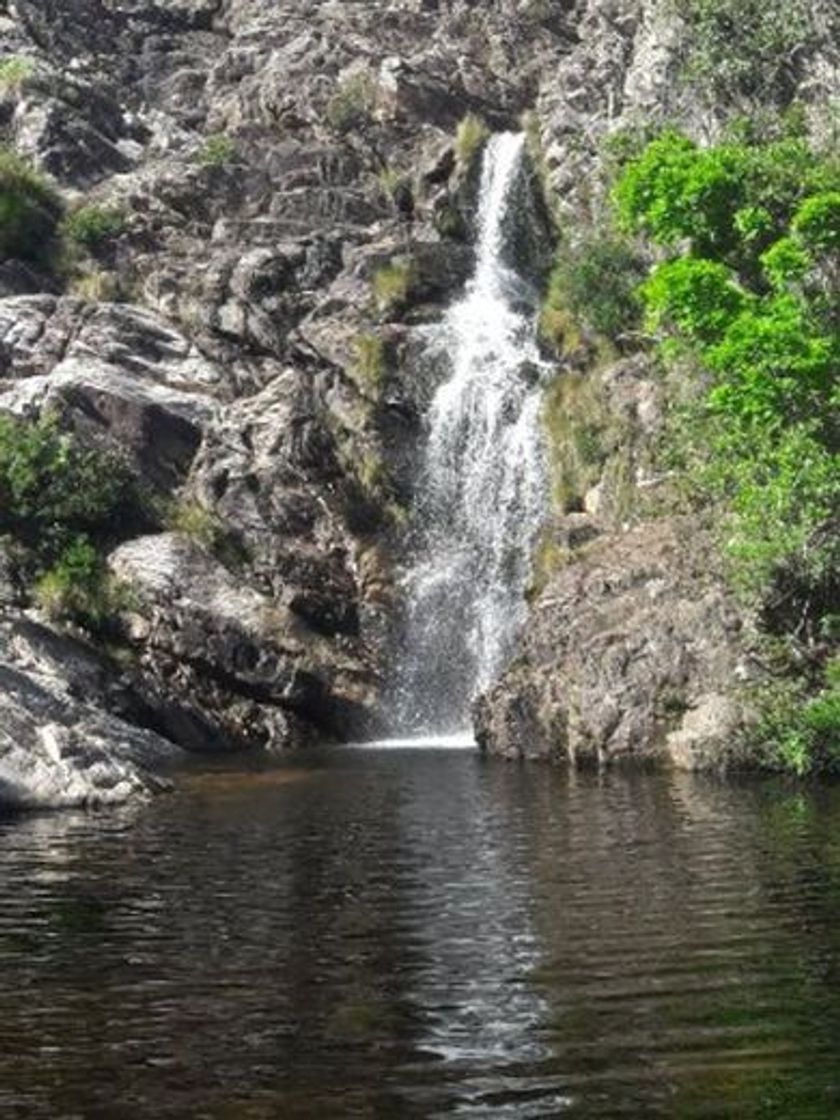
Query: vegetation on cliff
x=744 y=298
x=61 y=503
x=29 y=210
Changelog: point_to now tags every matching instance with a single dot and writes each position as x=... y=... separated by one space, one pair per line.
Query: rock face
x=632 y=654
x=266 y=161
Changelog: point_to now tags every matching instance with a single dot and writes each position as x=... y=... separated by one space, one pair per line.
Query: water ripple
x=404 y=933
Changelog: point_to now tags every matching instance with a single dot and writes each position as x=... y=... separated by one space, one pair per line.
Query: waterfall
x=481 y=497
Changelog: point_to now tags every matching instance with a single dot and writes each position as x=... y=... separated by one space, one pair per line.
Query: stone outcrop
x=71 y=735
x=634 y=653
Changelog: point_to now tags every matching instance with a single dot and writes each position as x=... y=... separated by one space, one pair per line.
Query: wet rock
x=251 y=669
x=61 y=751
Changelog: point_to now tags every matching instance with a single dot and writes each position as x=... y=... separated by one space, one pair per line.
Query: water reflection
x=408 y=934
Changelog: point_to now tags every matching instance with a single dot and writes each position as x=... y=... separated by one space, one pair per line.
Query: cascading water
x=481 y=497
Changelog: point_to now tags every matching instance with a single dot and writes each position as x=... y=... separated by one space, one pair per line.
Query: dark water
x=409 y=934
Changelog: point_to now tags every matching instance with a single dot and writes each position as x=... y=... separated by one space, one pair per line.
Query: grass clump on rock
x=92 y=225
x=352 y=104
x=14 y=72
x=216 y=151
x=29 y=210
x=195 y=521
x=574 y=423
x=470 y=137
x=369 y=361
x=392 y=283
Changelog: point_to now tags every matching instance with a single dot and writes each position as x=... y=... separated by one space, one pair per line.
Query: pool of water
x=407 y=933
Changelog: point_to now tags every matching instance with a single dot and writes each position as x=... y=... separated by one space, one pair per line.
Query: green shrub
x=697 y=296
x=785 y=263
x=797 y=732
x=817 y=222
x=61 y=505
x=14 y=72
x=352 y=104
x=29 y=210
x=216 y=151
x=731 y=202
x=53 y=490
x=470 y=137
x=675 y=191
x=595 y=282
x=75 y=587
x=92 y=225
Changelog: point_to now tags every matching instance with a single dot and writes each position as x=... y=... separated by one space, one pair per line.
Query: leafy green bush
x=78 y=588
x=817 y=222
x=797 y=732
x=91 y=225
x=730 y=202
x=674 y=191
x=53 y=490
x=60 y=505
x=29 y=210
x=595 y=282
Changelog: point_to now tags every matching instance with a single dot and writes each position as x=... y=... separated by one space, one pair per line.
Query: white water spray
x=482 y=493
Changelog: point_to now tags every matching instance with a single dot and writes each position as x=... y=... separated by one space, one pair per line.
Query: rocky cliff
x=283 y=198
x=287 y=197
